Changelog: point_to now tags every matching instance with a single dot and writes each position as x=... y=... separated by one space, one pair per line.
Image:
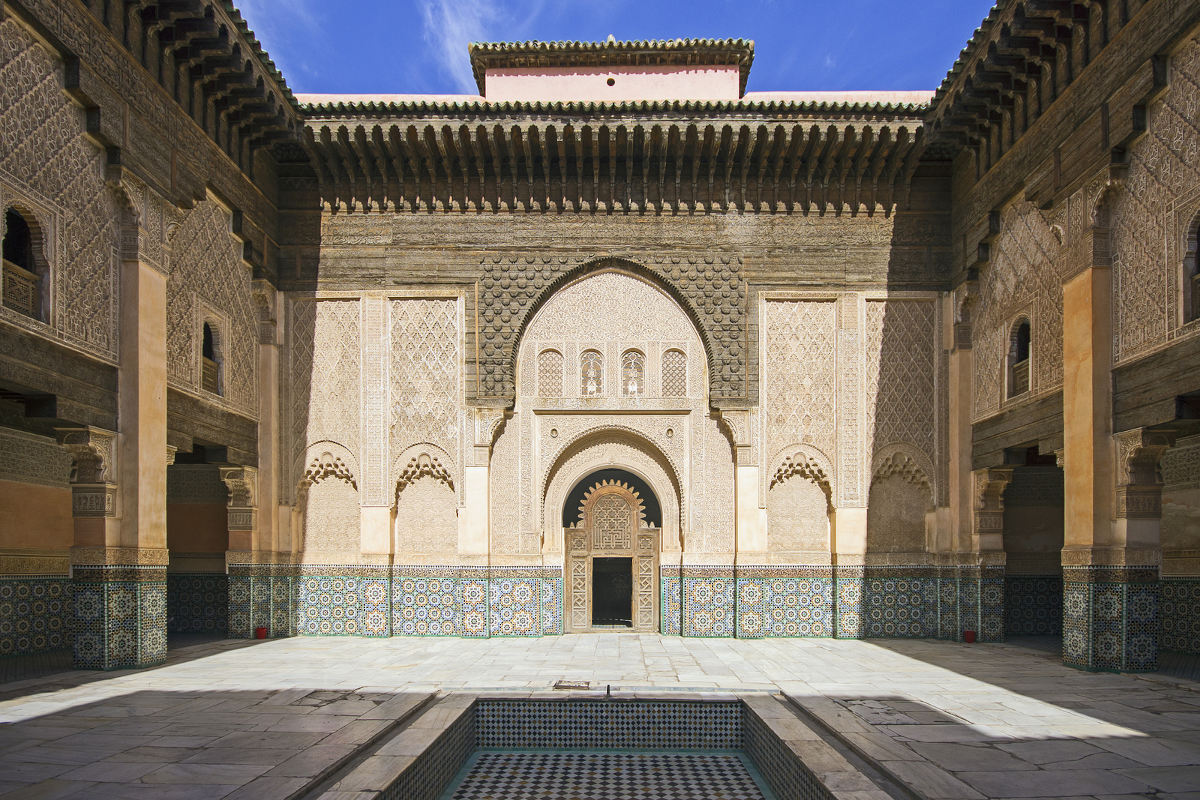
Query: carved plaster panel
x=901 y=374
x=799 y=373
x=1164 y=170
x=208 y=282
x=47 y=158
x=29 y=458
x=323 y=380
x=425 y=376
x=1024 y=276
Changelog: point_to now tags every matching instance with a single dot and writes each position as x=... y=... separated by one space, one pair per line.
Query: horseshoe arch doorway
x=612 y=525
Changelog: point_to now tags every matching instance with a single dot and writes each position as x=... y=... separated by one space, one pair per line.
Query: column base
x=1110 y=618
x=120 y=616
x=262 y=596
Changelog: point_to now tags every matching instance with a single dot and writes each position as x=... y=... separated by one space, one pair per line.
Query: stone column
x=849 y=528
x=119 y=559
x=1111 y=589
x=1111 y=549
x=266 y=301
x=250 y=578
x=961 y=392
x=474 y=538
x=981 y=575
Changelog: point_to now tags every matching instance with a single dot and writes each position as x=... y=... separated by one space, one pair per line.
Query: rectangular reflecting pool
x=587 y=747
x=583 y=775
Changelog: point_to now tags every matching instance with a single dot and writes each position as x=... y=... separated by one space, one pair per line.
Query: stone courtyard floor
x=262 y=719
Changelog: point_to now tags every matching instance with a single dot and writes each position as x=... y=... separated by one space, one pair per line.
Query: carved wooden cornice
x=1022 y=57
x=599 y=160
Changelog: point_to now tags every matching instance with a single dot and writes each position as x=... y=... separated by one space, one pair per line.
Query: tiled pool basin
x=467 y=747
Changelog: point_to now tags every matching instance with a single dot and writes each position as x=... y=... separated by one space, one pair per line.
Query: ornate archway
x=612 y=561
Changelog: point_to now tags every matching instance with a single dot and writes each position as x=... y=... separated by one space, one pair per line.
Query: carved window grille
x=210 y=360
x=550 y=374
x=23 y=284
x=591 y=373
x=633 y=374
x=674 y=374
x=1018 y=358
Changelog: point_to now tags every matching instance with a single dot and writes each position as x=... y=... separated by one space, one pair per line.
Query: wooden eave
x=617 y=162
x=683 y=52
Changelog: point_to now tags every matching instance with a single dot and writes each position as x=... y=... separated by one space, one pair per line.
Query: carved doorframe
x=599 y=532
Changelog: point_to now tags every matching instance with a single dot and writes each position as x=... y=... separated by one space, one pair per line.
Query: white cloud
x=448 y=26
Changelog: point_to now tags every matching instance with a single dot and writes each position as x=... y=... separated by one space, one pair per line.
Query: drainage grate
x=576 y=685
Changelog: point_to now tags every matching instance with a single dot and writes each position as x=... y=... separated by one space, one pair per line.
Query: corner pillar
x=981 y=575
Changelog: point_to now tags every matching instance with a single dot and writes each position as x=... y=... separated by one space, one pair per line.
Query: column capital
x=1138 y=452
x=242 y=483
x=266 y=307
x=93 y=451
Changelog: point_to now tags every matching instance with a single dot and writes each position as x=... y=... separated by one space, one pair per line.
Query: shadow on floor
x=196 y=744
x=52 y=669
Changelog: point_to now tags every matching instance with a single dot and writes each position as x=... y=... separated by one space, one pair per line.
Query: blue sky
x=420 y=46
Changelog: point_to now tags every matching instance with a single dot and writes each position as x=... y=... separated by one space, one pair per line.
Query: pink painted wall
x=529 y=84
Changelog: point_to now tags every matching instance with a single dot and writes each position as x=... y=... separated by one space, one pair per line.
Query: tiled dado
x=1179 y=614
x=1110 y=618
x=843 y=601
x=1033 y=605
x=198 y=603
x=120 y=616
x=35 y=613
x=708 y=607
x=262 y=596
x=781 y=601
x=895 y=602
x=426 y=601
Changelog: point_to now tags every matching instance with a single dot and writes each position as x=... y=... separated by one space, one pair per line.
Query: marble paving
x=950 y=720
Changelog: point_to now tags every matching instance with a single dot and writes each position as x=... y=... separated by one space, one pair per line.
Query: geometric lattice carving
x=616 y=488
x=206 y=272
x=612 y=524
x=45 y=148
x=674 y=374
x=799 y=373
x=324 y=375
x=901 y=351
x=1162 y=165
x=424 y=374
x=1023 y=277
x=423 y=465
x=550 y=374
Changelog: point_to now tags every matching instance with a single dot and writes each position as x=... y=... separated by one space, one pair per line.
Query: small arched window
x=674 y=374
x=23 y=279
x=210 y=360
x=591 y=373
x=633 y=374
x=1018 y=358
x=550 y=374
x=1190 y=285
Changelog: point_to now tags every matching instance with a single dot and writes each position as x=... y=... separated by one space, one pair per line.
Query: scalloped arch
x=805 y=461
x=327 y=459
x=907 y=462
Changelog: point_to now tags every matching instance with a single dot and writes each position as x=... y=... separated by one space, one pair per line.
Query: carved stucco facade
x=50 y=171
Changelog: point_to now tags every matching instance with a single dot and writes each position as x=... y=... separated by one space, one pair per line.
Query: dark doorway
x=612 y=592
